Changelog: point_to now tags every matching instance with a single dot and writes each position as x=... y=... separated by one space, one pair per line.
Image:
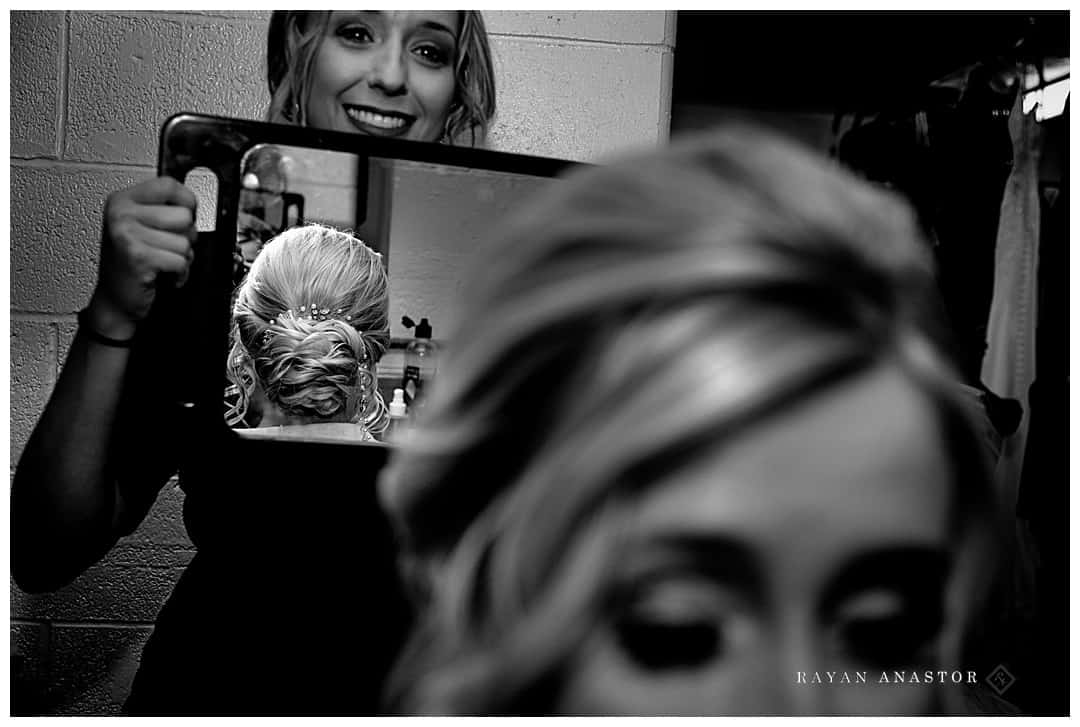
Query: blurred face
x=385 y=73
x=815 y=543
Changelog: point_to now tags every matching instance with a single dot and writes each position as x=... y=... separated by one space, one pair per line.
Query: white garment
x=1008 y=367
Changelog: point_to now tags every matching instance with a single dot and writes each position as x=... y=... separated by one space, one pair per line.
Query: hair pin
x=314 y=312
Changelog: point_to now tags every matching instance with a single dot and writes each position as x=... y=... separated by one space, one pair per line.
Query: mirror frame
x=185 y=336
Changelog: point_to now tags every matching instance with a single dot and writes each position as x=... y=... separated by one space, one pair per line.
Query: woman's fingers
x=149 y=230
x=165 y=217
x=162 y=191
x=165 y=261
x=161 y=203
x=164 y=252
x=161 y=239
x=131 y=239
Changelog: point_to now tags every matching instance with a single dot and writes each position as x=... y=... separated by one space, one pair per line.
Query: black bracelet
x=86 y=327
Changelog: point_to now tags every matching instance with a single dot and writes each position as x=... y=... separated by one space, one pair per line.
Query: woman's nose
x=781 y=681
x=389 y=72
x=804 y=696
x=800 y=660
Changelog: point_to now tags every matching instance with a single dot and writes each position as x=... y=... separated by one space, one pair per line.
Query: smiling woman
x=419 y=75
x=92 y=469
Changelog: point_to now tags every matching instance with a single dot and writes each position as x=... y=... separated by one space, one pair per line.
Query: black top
x=292 y=603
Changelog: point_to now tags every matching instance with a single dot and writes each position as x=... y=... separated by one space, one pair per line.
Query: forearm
x=64 y=499
x=100 y=452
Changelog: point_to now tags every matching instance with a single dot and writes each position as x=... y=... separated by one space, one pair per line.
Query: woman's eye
x=355 y=34
x=678 y=623
x=887 y=631
x=432 y=54
x=659 y=645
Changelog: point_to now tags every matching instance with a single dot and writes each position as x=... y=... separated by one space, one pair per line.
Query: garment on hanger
x=1008 y=368
x=950 y=160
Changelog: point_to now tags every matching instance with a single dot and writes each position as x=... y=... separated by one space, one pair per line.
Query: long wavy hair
x=309 y=326
x=630 y=321
x=293 y=42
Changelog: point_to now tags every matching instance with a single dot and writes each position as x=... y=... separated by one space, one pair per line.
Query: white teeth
x=376 y=120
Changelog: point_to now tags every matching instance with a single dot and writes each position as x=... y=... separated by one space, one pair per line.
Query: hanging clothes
x=950 y=160
x=969 y=164
x=1008 y=368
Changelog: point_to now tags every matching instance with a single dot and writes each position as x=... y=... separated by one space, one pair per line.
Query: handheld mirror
x=424 y=207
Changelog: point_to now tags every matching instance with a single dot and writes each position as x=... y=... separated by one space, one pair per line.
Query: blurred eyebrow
x=909 y=568
x=720 y=558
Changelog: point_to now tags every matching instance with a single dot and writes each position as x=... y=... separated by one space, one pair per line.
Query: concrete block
x=37 y=41
x=29 y=650
x=252 y=16
x=66 y=334
x=33 y=372
x=93 y=668
x=30 y=660
x=131 y=582
x=205 y=186
x=163 y=527
x=612 y=26
x=107 y=591
x=56 y=233
x=125 y=79
x=667 y=74
x=578 y=102
x=223 y=67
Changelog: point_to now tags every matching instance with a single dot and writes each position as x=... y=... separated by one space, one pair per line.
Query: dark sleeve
x=145 y=448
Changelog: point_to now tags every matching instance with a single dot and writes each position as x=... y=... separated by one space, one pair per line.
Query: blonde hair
x=293 y=42
x=646 y=312
x=321 y=365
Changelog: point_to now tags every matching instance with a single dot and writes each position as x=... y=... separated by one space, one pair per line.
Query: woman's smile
x=379 y=122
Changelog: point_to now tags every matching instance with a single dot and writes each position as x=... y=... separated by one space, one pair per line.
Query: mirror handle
x=184 y=323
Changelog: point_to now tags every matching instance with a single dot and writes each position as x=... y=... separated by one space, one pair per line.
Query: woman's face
x=815 y=544
x=385 y=73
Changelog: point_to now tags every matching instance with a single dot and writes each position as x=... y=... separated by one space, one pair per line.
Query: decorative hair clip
x=315 y=312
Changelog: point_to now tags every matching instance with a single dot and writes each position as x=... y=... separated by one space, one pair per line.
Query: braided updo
x=309 y=326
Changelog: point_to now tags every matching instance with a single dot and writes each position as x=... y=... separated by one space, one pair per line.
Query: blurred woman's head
x=309 y=326
x=420 y=75
x=691 y=442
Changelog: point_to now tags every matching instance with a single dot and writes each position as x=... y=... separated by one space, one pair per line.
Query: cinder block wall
x=89 y=91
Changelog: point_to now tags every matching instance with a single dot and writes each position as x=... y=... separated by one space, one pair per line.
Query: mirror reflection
x=348 y=272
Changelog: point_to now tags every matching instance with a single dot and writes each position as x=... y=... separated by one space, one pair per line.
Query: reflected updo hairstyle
x=293 y=41
x=320 y=366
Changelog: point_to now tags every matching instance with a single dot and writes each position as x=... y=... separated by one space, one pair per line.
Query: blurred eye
x=658 y=645
x=358 y=34
x=884 y=628
x=432 y=54
x=674 y=625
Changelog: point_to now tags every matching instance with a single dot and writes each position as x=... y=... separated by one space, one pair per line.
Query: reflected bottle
x=421 y=361
x=399 y=417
